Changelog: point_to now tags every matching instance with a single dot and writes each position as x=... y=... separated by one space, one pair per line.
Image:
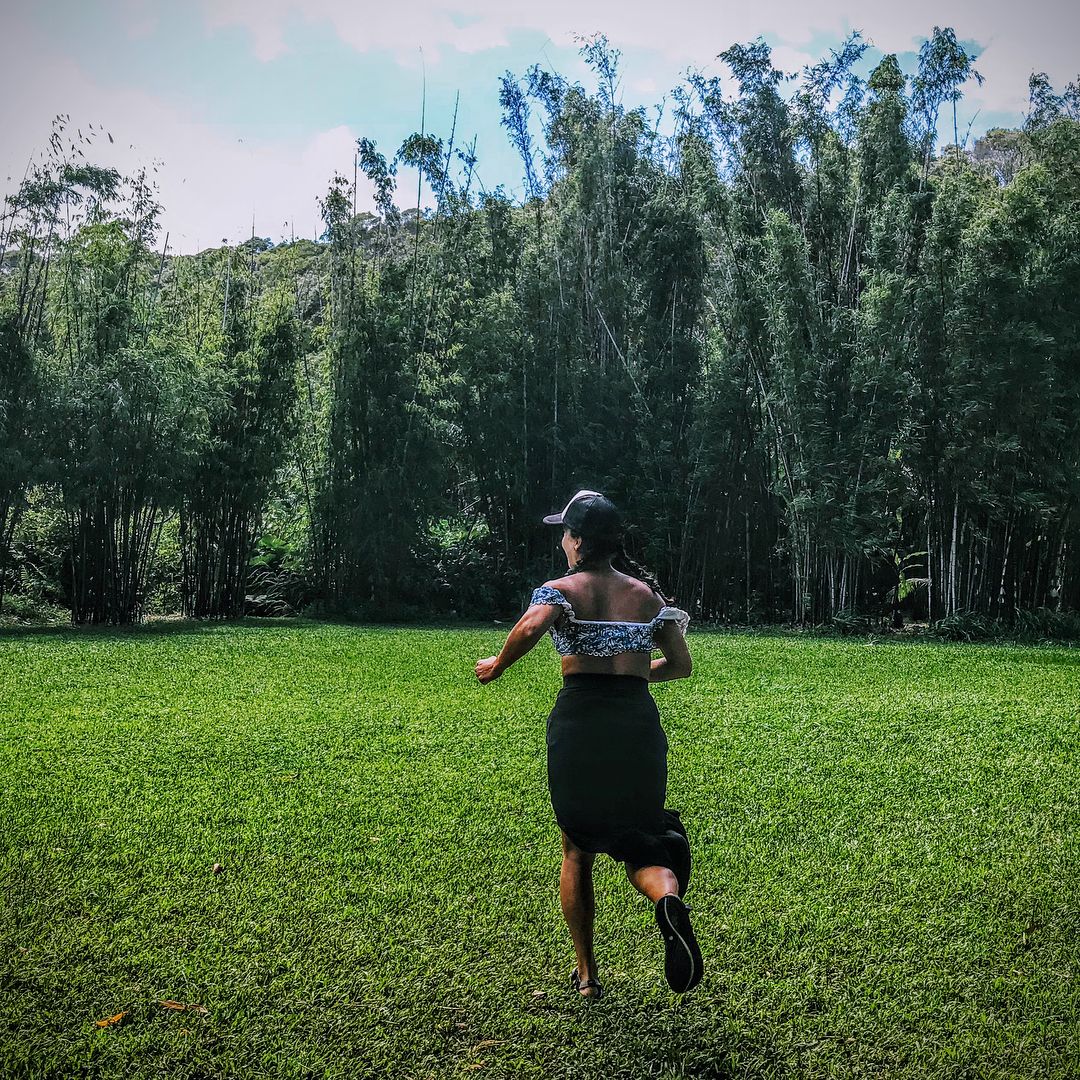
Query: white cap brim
x=557 y=519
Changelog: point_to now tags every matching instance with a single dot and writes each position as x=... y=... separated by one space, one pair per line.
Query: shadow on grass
x=156 y=628
x=898 y=638
x=182 y=627
x=1057 y=652
x=685 y=1039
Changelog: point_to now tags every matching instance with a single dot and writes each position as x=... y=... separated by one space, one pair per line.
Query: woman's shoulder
x=557 y=583
x=643 y=590
x=549 y=592
x=670 y=615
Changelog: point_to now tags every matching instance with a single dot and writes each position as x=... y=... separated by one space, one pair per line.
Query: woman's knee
x=573 y=854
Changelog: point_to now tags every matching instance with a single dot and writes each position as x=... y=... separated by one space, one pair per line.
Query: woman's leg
x=682 y=955
x=653 y=881
x=579 y=906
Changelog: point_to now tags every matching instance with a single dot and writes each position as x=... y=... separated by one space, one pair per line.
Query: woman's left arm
x=527 y=631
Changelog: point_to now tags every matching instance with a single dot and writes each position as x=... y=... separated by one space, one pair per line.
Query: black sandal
x=577 y=984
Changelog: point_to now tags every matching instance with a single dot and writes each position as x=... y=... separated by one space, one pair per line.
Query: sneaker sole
x=682 y=957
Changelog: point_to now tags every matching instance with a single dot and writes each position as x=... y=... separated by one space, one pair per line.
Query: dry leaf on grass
x=486 y=1042
x=182 y=1006
x=110 y=1020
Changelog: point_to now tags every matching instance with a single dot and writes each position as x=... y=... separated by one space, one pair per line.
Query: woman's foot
x=682 y=957
x=590 y=988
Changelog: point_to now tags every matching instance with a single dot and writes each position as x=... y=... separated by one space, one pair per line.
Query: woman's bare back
x=608 y=596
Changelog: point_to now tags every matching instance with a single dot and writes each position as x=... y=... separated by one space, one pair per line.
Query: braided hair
x=595 y=549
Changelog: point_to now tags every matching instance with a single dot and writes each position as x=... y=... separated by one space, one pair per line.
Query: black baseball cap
x=588 y=513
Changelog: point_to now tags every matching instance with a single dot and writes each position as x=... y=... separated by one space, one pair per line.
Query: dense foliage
x=831 y=370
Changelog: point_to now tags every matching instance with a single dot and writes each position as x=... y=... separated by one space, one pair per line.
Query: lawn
x=885 y=885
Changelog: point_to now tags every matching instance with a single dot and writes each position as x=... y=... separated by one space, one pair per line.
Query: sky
x=243 y=110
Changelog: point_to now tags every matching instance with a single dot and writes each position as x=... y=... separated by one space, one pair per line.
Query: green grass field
x=885 y=834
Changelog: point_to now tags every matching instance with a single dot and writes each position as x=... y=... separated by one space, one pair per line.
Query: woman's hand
x=488 y=669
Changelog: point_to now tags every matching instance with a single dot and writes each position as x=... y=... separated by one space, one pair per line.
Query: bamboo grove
x=830 y=369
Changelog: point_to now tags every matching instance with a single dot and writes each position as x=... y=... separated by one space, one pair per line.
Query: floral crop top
x=593 y=637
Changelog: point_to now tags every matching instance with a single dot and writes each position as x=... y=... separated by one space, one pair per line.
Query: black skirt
x=607 y=772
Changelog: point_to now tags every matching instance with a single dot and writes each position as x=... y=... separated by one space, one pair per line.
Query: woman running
x=606 y=750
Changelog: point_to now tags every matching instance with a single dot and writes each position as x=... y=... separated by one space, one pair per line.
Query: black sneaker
x=682 y=957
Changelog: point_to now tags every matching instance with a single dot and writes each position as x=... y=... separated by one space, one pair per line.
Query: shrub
x=23 y=609
x=1043 y=624
x=965 y=626
x=849 y=621
x=276 y=582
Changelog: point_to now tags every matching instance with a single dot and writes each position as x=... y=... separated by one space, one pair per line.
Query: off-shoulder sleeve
x=545 y=594
x=676 y=615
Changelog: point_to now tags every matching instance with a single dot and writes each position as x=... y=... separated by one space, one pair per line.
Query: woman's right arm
x=676 y=662
x=527 y=631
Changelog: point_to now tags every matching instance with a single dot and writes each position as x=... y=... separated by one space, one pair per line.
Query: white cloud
x=399 y=28
x=1039 y=34
x=212 y=177
x=791 y=60
x=210 y=180
x=139 y=19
